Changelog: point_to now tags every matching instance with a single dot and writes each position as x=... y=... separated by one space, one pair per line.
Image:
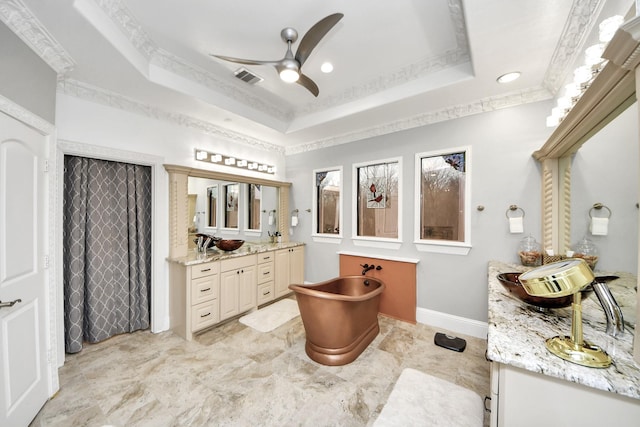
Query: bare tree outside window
x=378 y=199
x=443 y=186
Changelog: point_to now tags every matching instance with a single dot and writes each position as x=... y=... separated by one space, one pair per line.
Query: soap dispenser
x=586 y=250
x=530 y=252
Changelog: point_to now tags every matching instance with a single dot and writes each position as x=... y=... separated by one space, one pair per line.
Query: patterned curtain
x=107 y=249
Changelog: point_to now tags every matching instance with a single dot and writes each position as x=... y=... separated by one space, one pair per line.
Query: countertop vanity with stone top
x=531 y=386
x=207 y=288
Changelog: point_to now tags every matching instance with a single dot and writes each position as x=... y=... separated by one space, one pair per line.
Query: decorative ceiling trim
x=485 y=105
x=170 y=62
x=19 y=18
x=18 y=112
x=451 y=58
x=115 y=100
x=581 y=20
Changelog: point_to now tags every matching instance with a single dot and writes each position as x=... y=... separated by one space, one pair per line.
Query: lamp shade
x=557 y=279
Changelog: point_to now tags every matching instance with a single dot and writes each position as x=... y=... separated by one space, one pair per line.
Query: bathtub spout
x=366 y=267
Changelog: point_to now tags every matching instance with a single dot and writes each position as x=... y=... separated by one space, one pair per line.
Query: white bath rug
x=269 y=318
x=418 y=399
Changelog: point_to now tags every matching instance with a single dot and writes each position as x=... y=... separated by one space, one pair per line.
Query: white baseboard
x=452 y=323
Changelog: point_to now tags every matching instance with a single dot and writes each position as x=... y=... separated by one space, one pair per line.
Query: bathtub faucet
x=366 y=267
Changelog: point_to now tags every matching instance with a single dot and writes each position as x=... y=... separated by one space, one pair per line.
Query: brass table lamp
x=560 y=279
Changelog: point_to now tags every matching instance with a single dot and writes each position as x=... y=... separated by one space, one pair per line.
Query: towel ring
x=598 y=206
x=514 y=208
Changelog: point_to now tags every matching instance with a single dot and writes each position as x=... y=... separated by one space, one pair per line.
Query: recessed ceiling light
x=327 y=67
x=508 y=77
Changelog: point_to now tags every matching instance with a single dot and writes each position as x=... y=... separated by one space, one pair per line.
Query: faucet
x=615 y=321
x=366 y=267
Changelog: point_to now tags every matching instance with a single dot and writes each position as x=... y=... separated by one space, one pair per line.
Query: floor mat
x=421 y=399
x=269 y=318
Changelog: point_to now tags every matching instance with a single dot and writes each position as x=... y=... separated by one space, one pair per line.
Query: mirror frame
x=612 y=91
x=178 y=202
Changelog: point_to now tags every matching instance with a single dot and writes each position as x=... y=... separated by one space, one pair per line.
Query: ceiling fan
x=290 y=67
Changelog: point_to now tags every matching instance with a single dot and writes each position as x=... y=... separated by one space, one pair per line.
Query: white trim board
x=452 y=323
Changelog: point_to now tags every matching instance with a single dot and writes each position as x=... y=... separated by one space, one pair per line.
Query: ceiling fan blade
x=308 y=84
x=245 y=61
x=314 y=35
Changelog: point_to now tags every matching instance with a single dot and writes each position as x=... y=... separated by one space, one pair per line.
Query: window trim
x=326 y=237
x=369 y=241
x=443 y=246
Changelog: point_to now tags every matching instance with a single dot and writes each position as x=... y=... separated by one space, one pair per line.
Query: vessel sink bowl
x=229 y=244
x=512 y=283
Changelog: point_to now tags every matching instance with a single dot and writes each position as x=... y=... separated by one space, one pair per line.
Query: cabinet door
x=247 y=288
x=296 y=264
x=282 y=267
x=229 y=293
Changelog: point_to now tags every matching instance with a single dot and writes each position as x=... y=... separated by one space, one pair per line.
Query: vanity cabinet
x=289 y=268
x=266 y=288
x=238 y=285
x=194 y=297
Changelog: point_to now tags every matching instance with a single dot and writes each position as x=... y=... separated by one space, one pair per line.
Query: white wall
x=504 y=173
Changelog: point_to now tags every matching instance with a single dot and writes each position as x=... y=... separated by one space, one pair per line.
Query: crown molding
x=170 y=62
x=484 y=105
x=17 y=16
x=115 y=100
x=582 y=18
x=12 y=109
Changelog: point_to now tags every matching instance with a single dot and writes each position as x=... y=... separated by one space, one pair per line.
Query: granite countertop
x=214 y=254
x=517 y=333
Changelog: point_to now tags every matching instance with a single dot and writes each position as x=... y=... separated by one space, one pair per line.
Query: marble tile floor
x=234 y=375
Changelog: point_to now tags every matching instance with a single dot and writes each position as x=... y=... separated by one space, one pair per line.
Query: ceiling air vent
x=247 y=76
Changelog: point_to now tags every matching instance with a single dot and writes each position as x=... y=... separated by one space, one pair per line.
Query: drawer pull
x=266 y=273
x=267 y=257
x=266 y=293
x=205 y=290
x=205 y=315
x=205 y=270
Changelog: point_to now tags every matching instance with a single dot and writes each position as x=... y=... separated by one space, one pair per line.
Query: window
x=212 y=206
x=327 y=209
x=378 y=204
x=442 y=205
x=254 y=205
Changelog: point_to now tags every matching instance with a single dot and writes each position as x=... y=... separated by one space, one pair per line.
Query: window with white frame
x=442 y=216
x=327 y=206
x=377 y=204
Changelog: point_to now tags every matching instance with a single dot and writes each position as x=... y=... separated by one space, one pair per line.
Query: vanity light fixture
x=209 y=157
x=584 y=75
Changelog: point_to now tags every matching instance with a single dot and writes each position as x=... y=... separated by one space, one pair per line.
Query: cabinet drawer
x=237 y=263
x=265 y=292
x=204 y=289
x=265 y=257
x=205 y=314
x=206 y=269
x=265 y=272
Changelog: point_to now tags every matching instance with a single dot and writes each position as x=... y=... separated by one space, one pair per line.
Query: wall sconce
x=294 y=217
x=560 y=279
x=272 y=218
x=206 y=156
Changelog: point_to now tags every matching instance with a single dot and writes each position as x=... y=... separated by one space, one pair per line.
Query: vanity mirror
x=612 y=91
x=272 y=194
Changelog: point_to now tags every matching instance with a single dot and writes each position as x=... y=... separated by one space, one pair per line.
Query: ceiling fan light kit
x=290 y=67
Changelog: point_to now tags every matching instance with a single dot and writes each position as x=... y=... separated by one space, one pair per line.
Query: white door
x=24 y=371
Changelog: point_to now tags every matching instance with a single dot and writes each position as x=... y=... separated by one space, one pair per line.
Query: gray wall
x=503 y=173
x=25 y=78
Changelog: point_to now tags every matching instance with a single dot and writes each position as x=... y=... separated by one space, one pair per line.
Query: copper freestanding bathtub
x=340 y=317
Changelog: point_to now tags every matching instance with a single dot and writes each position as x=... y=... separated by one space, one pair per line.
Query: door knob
x=9 y=303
